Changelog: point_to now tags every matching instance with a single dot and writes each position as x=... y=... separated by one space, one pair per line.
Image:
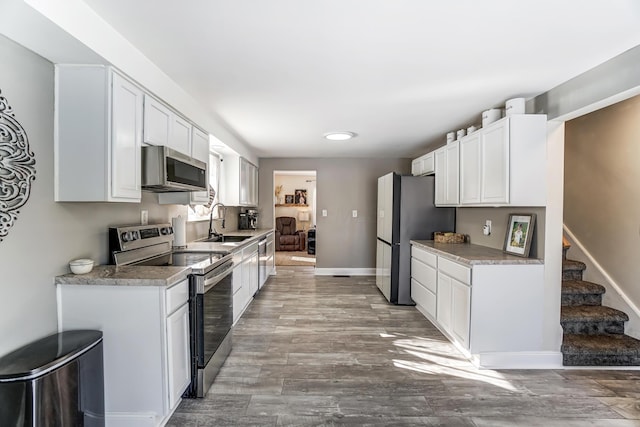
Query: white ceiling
x=399 y=73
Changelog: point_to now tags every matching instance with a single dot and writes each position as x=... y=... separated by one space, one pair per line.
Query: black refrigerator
x=406 y=211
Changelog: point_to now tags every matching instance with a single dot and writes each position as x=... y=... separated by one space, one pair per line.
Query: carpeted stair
x=593 y=334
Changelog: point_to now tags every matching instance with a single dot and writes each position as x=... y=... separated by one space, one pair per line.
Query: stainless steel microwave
x=166 y=170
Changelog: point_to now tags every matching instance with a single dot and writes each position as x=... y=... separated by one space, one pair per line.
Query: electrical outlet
x=354 y=213
x=144 y=217
x=324 y=212
x=486 y=230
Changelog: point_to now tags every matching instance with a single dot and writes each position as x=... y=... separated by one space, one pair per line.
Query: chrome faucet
x=212 y=231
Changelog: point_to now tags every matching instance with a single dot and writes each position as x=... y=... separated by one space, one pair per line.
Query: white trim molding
x=519 y=360
x=345 y=272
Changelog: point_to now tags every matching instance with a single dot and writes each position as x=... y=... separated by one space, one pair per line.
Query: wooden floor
x=324 y=351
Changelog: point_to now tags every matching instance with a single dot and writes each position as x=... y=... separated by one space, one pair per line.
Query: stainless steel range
x=211 y=295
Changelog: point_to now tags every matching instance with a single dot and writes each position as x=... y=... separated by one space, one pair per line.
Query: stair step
x=572 y=270
x=589 y=319
x=600 y=350
x=580 y=292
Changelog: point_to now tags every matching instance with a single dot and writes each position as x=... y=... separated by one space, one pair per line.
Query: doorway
x=295 y=216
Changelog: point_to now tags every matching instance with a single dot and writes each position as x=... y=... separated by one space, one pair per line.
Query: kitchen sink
x=227 y=239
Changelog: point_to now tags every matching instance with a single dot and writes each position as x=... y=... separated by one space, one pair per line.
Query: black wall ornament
x=17 y=167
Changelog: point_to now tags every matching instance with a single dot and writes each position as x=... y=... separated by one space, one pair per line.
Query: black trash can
x=57 y=381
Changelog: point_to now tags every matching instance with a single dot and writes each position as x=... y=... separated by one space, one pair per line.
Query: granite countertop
x=228 y=247
x=126 y=275
x=139 y=275
x=470 y=254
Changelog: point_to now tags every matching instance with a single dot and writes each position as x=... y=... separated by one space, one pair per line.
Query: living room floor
x=324 y=351
x=291 y=258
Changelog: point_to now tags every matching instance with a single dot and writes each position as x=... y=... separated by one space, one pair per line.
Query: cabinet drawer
x=455 y=270
x=424 y=256
x=177 y=295
x=423 y=273
x=249 y=250
x=424 y=298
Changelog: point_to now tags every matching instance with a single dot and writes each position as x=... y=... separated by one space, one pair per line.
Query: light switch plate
x=354 y=213
x=324 y=212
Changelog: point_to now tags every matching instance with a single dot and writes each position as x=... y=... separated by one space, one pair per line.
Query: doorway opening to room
x=295 y=217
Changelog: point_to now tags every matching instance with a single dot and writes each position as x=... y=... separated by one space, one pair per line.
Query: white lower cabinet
x=271 y=254
x=239 y=299
x=179 y=374
x=460 y=311
x=245 y=278
x=493 y=310
x=443 y=298
x=146 y=346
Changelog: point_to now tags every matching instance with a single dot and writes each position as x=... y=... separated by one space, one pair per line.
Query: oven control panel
x=138 y=236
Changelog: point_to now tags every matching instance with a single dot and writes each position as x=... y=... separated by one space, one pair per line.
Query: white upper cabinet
x=157 y=122
x=501 y=165
x=248 y=183
x=470 y=158
x=180 y=135
x=239 y=181
x=447 y=166
x=423 y=165
x=163 y=126
x=200 y=151
x=98 y=135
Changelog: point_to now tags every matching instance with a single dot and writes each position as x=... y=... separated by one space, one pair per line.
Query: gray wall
x=343 y=184
x=602 y=196
x=47 y=235
x=469 y=221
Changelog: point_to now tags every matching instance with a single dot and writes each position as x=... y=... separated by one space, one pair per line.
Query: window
x=201 y=212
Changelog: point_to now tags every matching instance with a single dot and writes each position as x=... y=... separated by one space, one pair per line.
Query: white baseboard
x=345 y=271
x=127 y=419
x=519 y=360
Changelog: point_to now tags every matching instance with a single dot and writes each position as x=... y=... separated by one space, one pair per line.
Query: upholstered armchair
x=288 y=238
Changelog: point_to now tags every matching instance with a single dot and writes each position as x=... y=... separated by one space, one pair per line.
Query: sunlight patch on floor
x=437 y=357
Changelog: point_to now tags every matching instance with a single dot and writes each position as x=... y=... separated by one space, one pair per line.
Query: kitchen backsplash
x=469 y=221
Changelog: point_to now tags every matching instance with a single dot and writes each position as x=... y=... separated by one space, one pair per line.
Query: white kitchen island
x=489 y=303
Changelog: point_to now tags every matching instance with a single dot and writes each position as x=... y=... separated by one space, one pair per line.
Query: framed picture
x=519 y=234
x=288 y=199
x=301 y=197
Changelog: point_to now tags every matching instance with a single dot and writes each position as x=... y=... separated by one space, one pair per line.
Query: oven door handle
x=221 y=272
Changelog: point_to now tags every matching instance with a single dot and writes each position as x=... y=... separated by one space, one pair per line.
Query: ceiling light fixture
x=340 y=136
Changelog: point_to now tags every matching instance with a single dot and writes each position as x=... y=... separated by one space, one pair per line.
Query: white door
x=470 y=179
x=178 y=354
x=461 y=306
x=126 y=139
x=180 y=135
x=441 y=176
x=200 y=151
x=495 y=163
x=239 y=299
x=452 y=195
x=443 y=298
x=157 y=122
